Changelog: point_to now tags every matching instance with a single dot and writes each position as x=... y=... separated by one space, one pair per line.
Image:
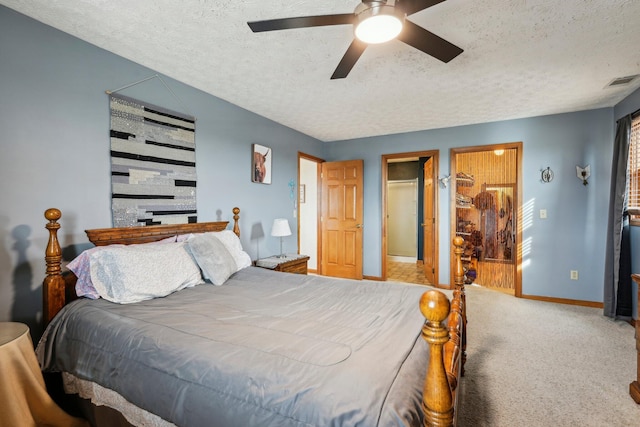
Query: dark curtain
x=612 y=272
x=624 y=303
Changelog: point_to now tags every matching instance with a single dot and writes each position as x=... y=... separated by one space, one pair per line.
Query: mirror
x=496 y=203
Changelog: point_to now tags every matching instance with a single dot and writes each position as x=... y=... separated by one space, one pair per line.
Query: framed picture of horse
x=261 y=164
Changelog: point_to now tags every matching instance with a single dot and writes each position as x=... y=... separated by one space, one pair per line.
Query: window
x=633 y=186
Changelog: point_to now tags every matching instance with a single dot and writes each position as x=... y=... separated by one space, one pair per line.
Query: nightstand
x=291 y=263
x=23 y=393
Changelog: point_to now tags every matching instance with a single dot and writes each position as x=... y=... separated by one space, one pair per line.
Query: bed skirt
x=100 y=396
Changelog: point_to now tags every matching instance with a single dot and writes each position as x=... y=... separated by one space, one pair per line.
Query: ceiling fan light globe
x=378 y=29
x=377 y=24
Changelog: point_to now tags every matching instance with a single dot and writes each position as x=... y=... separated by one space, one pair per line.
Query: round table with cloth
x=23 y=394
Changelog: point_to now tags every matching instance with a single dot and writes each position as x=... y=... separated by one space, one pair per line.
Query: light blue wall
x=54 y=118
x=55 y=153
x=573 y=236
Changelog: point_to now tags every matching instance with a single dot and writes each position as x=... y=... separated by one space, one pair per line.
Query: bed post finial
x=53 y=286
x=236 y=216
x=437 y=400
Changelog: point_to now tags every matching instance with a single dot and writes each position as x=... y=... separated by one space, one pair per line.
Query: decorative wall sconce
x=546 y=175
x=583 y=173
x=445 y=180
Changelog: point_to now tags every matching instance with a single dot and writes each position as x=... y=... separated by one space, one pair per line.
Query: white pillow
x=212 y=256
x=81 y=267
x=136 y=273
x=232 y=242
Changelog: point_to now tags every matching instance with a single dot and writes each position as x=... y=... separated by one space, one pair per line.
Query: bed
x=254 y=347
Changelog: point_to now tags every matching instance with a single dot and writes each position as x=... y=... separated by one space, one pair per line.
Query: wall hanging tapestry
x=153 y=164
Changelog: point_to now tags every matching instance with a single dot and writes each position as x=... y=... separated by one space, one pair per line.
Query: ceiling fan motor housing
x=377 y=7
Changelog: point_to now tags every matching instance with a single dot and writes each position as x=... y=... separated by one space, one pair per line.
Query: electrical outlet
x=574 y=274
x=543 y=213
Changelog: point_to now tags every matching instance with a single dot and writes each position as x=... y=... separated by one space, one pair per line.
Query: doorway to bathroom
x=409 y=226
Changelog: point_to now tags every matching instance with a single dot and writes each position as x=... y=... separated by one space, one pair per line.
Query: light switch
x=543 y=213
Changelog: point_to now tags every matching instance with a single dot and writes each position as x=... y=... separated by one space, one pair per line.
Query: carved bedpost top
x=434 y=306
x=458 y=242
x=53 y=251
x=52 y=214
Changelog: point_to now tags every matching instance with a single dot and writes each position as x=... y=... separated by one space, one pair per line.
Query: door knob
x=359 y=225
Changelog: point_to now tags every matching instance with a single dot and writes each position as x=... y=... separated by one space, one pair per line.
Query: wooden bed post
x=446 y=347
x=54 y=284
x=459 y=304
x=437 y=401
x=236 y=216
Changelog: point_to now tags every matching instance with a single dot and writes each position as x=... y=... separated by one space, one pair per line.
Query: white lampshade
x=280 y=228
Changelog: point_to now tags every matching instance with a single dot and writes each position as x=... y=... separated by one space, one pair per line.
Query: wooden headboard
x=59 y=288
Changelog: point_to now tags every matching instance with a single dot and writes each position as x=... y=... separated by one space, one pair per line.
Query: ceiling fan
x=374 y=21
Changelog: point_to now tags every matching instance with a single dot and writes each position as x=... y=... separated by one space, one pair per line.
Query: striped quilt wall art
x=153 y=164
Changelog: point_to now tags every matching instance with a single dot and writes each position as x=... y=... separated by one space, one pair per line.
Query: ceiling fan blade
x=413 y=6
x=349 y=59
x=301 y=22
x=429 y=43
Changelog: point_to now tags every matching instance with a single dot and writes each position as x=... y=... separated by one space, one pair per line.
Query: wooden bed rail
x=58 y=289
x=447 y=345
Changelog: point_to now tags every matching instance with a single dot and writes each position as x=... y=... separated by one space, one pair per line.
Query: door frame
x=317 y=161
x=518 y=204
x=435 y=154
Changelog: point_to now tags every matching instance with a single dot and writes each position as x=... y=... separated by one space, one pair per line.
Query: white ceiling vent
x=621 y=81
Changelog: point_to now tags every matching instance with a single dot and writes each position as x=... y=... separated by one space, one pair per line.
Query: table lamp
x=280 y=229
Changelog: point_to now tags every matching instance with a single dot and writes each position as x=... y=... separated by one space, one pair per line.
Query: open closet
x=487 y=199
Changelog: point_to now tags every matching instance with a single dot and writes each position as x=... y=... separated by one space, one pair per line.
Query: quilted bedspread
x=264 y=349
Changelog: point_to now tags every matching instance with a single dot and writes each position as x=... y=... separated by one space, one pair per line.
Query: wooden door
x=428 y=223
x=342 y=219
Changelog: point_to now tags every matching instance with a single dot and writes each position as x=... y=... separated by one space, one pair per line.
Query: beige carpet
x=532 y=363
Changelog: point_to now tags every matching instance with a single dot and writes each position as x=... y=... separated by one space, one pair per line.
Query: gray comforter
x=265 y=349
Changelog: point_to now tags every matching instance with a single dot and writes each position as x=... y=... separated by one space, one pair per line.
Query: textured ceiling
x=521 y=58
